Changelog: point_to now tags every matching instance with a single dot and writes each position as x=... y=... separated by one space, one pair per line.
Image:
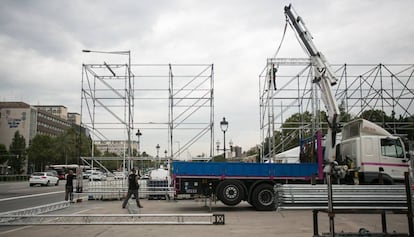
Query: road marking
x=85 y=210
x=29 y=196
x=16 y=229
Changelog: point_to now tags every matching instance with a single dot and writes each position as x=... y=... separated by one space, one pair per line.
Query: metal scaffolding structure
x=360 y=87
x=171 y=103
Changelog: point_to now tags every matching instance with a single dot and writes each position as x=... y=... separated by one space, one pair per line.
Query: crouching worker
x=133 y=187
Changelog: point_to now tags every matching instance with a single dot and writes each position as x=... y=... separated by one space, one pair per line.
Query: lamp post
x=165 y=156
x=224 y=125
x=139 y=134
x=158 y=152
x=231 y=149
x=129 y=92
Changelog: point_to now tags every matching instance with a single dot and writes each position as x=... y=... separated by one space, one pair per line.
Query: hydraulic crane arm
x=324 y=77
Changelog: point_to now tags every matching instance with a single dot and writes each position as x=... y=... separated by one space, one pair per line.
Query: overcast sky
x=41 y=44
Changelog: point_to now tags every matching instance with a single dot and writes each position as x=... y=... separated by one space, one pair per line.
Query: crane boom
x=324 y=77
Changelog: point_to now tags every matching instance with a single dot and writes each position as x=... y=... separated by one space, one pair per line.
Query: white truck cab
x=373 y=150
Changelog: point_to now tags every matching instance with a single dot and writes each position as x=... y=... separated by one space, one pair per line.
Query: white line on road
x=15 y=229
x=29 y=196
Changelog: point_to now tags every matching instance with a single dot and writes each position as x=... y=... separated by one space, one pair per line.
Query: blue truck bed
x=244 y=170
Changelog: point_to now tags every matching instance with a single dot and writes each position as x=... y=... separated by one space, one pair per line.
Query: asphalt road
x=19 y=195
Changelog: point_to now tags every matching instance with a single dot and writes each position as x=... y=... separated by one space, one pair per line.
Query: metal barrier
x=117 y=189
x=344 y=196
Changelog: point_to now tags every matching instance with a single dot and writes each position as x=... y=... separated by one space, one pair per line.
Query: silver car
x=97 y=176
x=43 y=178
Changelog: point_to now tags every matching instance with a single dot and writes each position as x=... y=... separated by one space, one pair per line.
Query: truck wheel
x=230 y=192
x=263 y=198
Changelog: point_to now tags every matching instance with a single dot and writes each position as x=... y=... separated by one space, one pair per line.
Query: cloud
x=41 y=43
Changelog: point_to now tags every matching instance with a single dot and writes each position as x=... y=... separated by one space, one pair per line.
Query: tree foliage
x=400 y=125
x=41 y=152
x=4 y=154
x=64 y=149
x=17 y=151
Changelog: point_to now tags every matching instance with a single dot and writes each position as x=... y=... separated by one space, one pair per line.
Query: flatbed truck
x=233 y=182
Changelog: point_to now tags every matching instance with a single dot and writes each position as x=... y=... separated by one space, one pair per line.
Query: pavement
x=241 y=220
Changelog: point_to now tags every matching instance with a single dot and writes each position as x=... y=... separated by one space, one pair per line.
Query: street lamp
x=139 y=134
x=165 y=153
x=224 y=125
x=231 y=148
x=128 y=53
x=158 y=152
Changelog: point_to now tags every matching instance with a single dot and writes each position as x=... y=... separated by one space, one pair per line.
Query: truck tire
x=230 y=192
x=263 y=198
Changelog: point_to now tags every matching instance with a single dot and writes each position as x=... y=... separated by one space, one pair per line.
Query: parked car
x=86 y=174
x=43 y=178
x=97 y=176
x=54 y=172
x=119 y=175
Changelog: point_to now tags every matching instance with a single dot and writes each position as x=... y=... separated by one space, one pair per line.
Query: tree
x=70 y=146
x=291 y=132
x=4 y=154
x=219 y=158
x=376 y=116
x=41 y=152
x=17 y=151
x=66 y=147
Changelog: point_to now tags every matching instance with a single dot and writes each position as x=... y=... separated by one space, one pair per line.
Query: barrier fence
x=117 y=189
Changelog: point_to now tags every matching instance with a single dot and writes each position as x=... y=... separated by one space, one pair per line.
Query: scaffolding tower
x=169 y=103
x=360 y=87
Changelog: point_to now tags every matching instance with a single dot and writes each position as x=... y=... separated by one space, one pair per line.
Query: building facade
x=57 y=110
x=74 y=118
x=30 y=121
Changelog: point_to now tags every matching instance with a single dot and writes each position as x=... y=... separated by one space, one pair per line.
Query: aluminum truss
x=114 y=219
x=170 y=101
x=37 y=210
x=360 y=87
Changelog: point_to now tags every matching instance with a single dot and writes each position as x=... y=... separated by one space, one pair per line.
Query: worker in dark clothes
x=69 y=186
x=133 y=187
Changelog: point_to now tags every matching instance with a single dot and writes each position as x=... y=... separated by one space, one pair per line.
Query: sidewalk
x=241 y=220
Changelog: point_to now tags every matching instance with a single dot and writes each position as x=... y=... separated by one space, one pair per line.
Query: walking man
x=133 y=187
x=69 y=186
